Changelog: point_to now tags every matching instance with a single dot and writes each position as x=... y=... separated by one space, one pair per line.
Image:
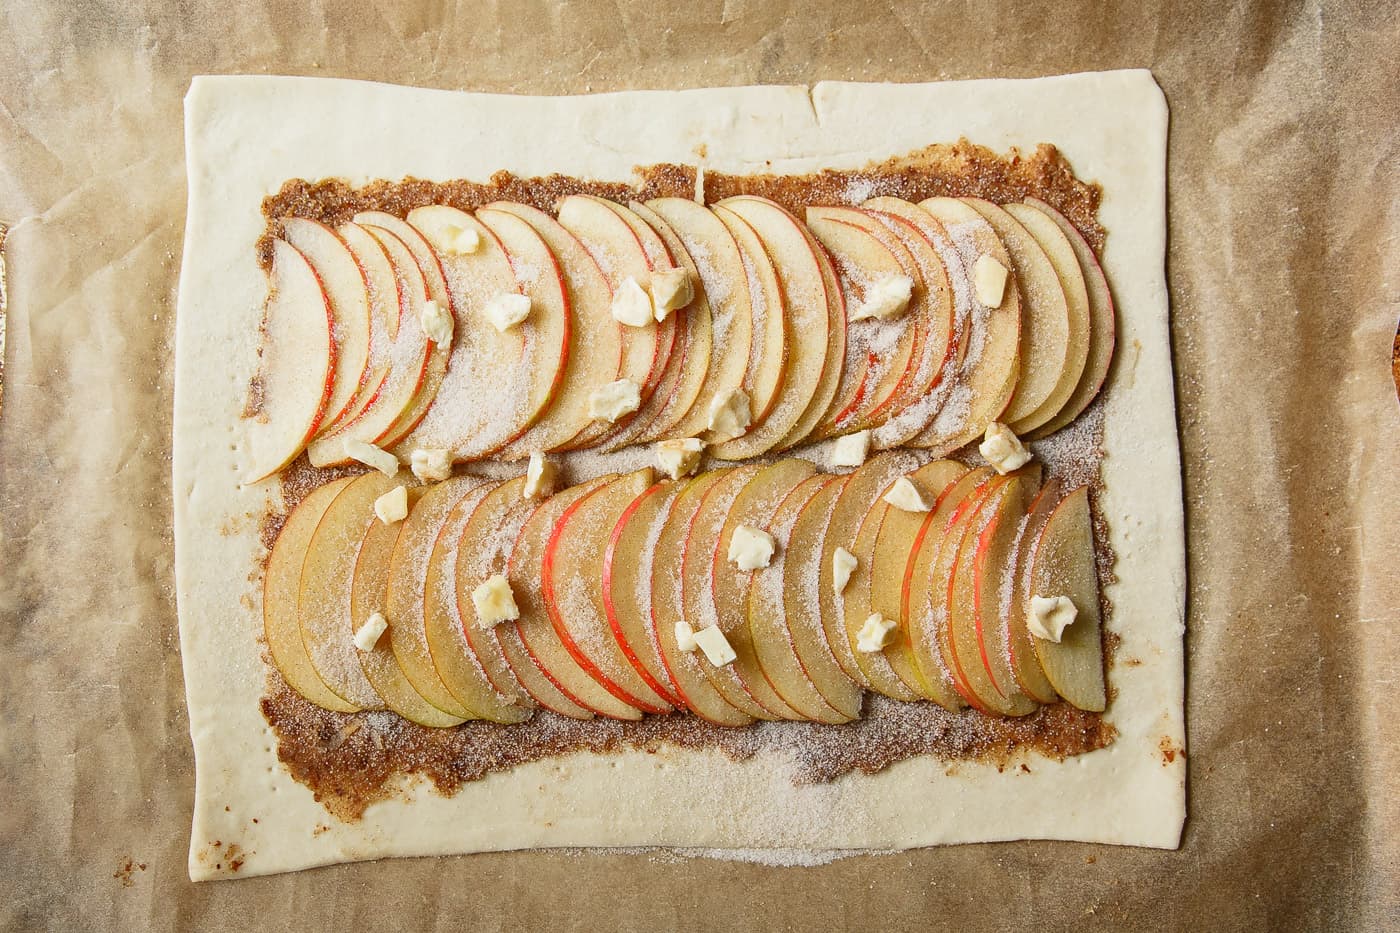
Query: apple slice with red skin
x=296 y=366
x=682 y=416
x=406 y=601
x=620 y=254
x=992 y=570
x=808 y=311
x=1025 y=665
x=685 y=670
x=282 y=590
x=1046 y=350
x=1101 y=324
x=724 y=282
x=769 y=350
x=698 y=603
x=895 y=542
x=596 y=357
x=834 y=368
x=881 y=351
x=436 y=281
x=988 y=373
x=754 y=506
x=457 y=664
x=348 y=295
x=627 y=566
x=536 y=631
x=1063 y=565
x=893 y=671
x=369 y=594
x=772 y=643
x=571 y=584
x=488 y=395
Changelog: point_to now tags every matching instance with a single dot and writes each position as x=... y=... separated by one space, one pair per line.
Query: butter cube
x=631 y=305
x=905 y=495
x=507 y=310
x=885 y=299
x=679 y=457
x=670 y=289
x=367 y=635
x=751 y=548
x=874 y=635
x=437 y=323
x=730 y=416
x=685 y=636
x=850 y=450
x=716 y=647
x=614 y=400
x=495 y=602
x=431 y=464
x=989 y=281
x=540 y=476
x=1050 y=616
x=460 y=241
x=843 y=564
x=1003 y=449
x=392 y=506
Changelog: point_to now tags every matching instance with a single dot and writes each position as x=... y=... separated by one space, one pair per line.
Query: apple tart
x=596 y=501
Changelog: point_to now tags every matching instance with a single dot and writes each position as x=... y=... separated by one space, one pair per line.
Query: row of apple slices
x=610 y=577
x=784 y=316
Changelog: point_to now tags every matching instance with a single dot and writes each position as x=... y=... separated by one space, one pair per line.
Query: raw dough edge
x=246 y=135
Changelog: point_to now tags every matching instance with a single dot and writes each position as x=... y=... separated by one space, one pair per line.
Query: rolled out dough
x=246 y=135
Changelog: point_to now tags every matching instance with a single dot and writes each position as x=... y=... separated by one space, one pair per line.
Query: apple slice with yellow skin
x=698 y=604
x=595 y=358
x=620 y=254
x=685 y=669
x=444 y=627
x=753 y=506
x=807 y=314
x=281 y=592
x=627 y=568
x=571 y=584
x=488 y=395
x=406 y=601
x=834 y=367
x=369 y=593
x=436 y=281
x=768 y=629
x=1101 y=324
x=536 y=631
x=802 y=601
x=992 y=571
x=893 y=671
x=988 y=372
x=881 y=350
x=857 y=498
x=491 y=550
x=724 y=282
x=682 y=416
x=768 y=352
x=1046 y=348
x=399 y=348
x=1065 y=262
x=894 y=545
x=296 y=366
x=1025 y=665
x=348 y=295
x=1063 y=565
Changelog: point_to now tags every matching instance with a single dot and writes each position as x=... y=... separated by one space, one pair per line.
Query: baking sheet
x=1283 y=246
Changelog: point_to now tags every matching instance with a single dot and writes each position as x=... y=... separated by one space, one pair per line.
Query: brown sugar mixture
x=351 y=760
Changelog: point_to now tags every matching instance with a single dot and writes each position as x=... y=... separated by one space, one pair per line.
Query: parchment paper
x=1282 y=267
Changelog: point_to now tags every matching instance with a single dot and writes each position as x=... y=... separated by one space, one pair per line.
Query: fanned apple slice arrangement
x=765 y=591
x=737 y=326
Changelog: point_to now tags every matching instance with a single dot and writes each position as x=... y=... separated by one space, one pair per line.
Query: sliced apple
x=1025 y=665
x=1101 y=324
x=686 y=670
x=807 y=312
x=399 y=348
x=596 y=358
x=724 y=282
x=753 y=506
x=802 y=601
x=488 y=396
x=436 y=281
x=895 y=542
x=369 y=593
x=281 y=593
x=682 y=416
x=408 y=574
x=571 y=584
x=857 y=498
x=768 y=352
x=297 y=365
x=537 y=632
x=1063 y=565
x=992 y=571
x=988 y=371
x=772 y=644
x=628 y=565
x=348 y=293
x=444 y=627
